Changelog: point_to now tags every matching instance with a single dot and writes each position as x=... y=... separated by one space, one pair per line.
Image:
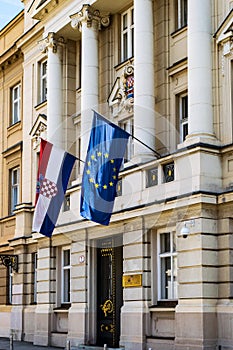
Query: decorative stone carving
x=227 y=50
x=50 y=42
x=126 y=91
x=91 y=16
x=39 y=130
x=121 y=98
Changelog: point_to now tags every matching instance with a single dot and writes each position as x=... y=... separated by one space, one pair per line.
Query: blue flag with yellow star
x=105 y=153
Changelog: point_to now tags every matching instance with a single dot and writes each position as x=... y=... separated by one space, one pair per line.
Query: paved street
x=20 y=345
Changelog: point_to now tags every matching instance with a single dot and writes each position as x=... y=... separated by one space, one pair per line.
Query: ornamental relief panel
x=121 y=98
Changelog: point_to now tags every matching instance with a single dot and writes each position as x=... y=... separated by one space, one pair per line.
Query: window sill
x=179 y=31
x=129 y=60
x=14 y=127
x=162 y=309
x=164 y=306
x=41 y=104
x=62 y=309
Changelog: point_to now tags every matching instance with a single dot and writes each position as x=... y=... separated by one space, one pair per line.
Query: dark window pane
x=168 y=170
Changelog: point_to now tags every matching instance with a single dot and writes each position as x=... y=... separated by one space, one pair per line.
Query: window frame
x=168 y=172
x=181 y=14
x=183 y=115
x=34 y=277
x=15 y=102
x=172 y=254
x=64 y=269
x=127 y=34
x=14 y=186
x=9 y=285
x=152 y=175
x=128 y=126
x=43 y=81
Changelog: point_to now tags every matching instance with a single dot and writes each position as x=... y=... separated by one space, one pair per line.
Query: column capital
x=50 y=42
x=91 y=17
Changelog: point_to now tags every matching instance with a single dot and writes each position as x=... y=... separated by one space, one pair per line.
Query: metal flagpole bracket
x=10 y=260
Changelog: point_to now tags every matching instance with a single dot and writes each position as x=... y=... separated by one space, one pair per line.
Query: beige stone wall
x=11 y=73
x=204 y=257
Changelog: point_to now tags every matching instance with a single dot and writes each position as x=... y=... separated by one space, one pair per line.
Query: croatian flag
x=55 y=166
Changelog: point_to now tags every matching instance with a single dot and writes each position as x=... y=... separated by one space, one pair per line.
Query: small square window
x=119 y=188
x=66 y=206
x=168 y=171
x=152 y=177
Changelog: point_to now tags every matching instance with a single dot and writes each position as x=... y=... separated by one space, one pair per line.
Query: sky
x=8 y=10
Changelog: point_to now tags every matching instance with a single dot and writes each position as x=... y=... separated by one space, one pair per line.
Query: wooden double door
x=109 y=291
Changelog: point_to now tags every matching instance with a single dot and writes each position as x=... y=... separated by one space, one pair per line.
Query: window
x=181 y=13
x=119 y=188
x=34 y=278
x=168 y=172
x=65 y=278
x=152 y=177
x=15 y=103
x=66 y=203
x=127 y=34
x=127 y=125
x=9 y=285
x=183 y=116
x=167 y=266
x=43 y=81
x=14 y=189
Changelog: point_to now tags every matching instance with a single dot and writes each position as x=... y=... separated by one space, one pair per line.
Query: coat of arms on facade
x=122 y=95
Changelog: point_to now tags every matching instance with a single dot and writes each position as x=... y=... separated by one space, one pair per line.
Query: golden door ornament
x=107 y=308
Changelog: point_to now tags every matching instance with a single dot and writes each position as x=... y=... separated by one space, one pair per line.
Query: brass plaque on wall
x=132 y=280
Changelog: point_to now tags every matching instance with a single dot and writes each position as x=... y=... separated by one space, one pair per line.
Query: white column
x=89 y=81
x=144 y=113
x=89 y=22
x=200 y=68
x=54 y=91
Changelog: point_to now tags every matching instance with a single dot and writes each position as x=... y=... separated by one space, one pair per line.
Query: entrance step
x=89 y=347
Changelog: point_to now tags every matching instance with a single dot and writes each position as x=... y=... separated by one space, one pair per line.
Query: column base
x=17 y=322
x=195 y=344
x=196 y=325
x=43 y=323
x=77 y=333
x=134 y=323
x=141 y=159
x=192 y=139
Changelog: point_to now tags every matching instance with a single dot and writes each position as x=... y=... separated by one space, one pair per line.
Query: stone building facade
x=160 y=275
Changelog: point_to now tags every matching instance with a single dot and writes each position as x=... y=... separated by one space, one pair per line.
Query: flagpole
x=144 y=144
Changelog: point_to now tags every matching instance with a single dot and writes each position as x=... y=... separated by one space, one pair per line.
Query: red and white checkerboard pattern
x=48 y=188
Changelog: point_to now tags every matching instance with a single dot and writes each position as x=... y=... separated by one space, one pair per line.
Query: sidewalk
x=21 y=345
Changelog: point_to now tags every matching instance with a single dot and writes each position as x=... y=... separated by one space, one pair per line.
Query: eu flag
x=105 y=153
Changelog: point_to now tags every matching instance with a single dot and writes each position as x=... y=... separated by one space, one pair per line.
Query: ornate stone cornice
x=91 y=16
x=50 y=42
x=43 y=8
x=4 y=64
